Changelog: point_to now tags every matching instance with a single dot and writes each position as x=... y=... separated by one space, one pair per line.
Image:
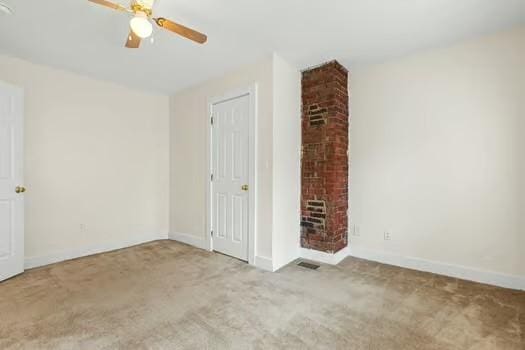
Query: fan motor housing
x=144 y=3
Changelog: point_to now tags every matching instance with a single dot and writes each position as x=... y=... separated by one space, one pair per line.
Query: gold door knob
x=20 y=189
x=244 y=187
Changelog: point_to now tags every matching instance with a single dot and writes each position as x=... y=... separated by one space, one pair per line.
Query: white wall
x=286 y=162
x=278 y=162
x=437 y=155
x=96 y=154
x=189 y=127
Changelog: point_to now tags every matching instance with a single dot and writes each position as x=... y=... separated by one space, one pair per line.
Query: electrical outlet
x=356 y=230
x=388 y=235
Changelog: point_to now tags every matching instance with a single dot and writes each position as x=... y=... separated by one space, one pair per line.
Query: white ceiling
x=86 y=38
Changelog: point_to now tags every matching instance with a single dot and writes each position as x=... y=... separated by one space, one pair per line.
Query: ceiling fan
x=140 y=24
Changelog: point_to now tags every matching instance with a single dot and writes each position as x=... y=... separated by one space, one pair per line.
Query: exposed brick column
x=324 y=165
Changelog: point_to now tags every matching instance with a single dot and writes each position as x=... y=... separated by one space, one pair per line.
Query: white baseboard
x=192 y=240
x=279 y=264
x=440 y=268
x=198 y=242
x=264 y=263
x=37 y=261
x=322 y=257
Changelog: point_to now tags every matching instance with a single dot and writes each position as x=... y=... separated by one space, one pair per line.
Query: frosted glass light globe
x=140 y=25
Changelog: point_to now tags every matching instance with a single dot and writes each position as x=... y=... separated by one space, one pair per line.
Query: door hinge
x=212 y=233
x=211 y=119
x=211 y=177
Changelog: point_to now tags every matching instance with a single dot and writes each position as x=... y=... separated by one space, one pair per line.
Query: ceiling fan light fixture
x=140 y=25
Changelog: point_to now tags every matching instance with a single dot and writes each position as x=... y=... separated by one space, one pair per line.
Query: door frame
x=250 y=91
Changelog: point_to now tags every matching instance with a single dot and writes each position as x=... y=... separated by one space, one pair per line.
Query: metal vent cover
x=308 y=265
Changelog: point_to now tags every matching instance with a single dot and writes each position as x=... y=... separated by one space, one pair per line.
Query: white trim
x=326 y=258
x=199 y=242
x=440 y=268
x=37 y=261
x=264 y=263
x=252 y=182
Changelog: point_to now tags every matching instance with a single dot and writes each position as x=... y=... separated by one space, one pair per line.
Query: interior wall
x=188 y=155
x=437 y=155
x=96 y=162
x=286 y=162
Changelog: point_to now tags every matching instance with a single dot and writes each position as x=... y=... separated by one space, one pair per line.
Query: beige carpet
x=165 y=295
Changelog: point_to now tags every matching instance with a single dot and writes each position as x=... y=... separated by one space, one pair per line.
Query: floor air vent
x=308 y=265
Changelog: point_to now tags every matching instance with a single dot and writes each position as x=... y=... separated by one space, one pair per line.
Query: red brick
x=325 y=160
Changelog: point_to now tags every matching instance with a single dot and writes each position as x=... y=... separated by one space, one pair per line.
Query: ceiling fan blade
x=109 y=4
x=133 y=41
x=181 y=30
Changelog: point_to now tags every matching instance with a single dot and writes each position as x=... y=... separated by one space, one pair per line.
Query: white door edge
x=15 y=265
x=251 y=91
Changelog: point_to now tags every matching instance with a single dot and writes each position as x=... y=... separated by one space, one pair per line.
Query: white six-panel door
x=11 y=180
x=230 y=169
